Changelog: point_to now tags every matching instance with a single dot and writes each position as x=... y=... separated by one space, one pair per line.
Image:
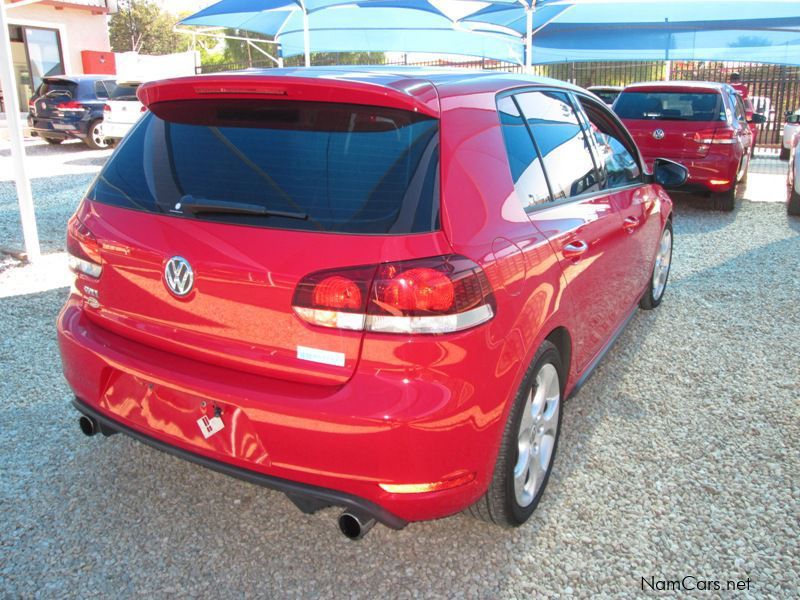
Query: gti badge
x=178 y=276
x=658 y=134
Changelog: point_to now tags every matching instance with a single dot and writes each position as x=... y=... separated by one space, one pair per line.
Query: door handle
x=630 y=223
x=575 y=249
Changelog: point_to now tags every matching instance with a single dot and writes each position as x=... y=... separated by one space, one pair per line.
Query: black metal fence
x=774 y=89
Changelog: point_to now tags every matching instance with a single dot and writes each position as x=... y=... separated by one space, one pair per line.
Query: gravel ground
x=679 y=457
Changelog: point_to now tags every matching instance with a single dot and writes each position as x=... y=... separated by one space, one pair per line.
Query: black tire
x=793 y=207
x=92 y=139
x=53 y=141
x=653 y=297
x=785 y=153
x=724 y=201
x=499 y=504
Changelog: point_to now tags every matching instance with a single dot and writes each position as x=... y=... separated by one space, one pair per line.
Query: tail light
x=143 y=109
x=106 y=109
x=70 y=106
x=82 y=249
x=441 y=294
x=721 y=135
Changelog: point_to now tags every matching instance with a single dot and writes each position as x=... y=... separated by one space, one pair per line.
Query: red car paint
x=715 y=151
x=417 y=410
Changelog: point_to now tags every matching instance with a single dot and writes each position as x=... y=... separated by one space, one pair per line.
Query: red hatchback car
x=366 y=288
x=702 y=125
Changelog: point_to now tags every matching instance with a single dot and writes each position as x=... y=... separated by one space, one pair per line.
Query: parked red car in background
x=702 y=125
x=365 y=288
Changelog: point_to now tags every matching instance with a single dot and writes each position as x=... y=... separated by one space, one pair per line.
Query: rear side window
x=282 y=164
x=671 y=106
x=561 y=142
x=100 y=90
x=526 y=168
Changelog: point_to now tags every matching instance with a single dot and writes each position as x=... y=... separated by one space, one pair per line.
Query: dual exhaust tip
x=353 y=524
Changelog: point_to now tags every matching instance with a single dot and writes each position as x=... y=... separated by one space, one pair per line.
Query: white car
x=121 y=111
x=606 y=93
x=793 y=178
x=792 y=126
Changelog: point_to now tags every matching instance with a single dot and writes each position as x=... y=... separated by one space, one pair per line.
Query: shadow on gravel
x=95 y=161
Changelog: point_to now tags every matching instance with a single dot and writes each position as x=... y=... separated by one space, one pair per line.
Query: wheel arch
x=562 y=340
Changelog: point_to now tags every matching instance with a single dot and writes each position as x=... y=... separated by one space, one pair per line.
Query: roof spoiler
x=415 y=95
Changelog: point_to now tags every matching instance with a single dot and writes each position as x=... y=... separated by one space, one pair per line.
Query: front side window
x=281 y=164
x=526 y=168
x=617 y=165
x=561 y=142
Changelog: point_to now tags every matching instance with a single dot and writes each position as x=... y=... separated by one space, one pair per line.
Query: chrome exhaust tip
x=355 y=525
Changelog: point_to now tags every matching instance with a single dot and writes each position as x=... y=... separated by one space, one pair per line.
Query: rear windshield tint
x=57 y=87
x=125 y=91
x=670 y=106
x=306 y=165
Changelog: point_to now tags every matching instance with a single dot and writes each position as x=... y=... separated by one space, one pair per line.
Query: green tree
x=141 y=26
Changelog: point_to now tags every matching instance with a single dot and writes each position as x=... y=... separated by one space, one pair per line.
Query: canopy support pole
x=11 y=101
x=529 y=38
x=306 y=42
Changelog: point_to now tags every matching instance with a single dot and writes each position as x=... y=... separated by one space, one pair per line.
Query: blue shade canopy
x=574 y=30
x=360 y=25
x=563 y=30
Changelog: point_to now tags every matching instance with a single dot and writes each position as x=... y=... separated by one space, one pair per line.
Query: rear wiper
x=194 y=205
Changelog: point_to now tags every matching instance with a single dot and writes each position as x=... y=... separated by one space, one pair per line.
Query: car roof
x=605 y=88
x=449 y=81
x=689 y=86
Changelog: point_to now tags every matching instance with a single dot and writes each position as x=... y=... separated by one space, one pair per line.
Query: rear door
x=336 y=185
x=580 y=220
x=671 y=123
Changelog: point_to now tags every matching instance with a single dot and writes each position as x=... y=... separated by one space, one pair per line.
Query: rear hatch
x=675 y=124
x=52 y=92
x=255 y=194
x=123 y=105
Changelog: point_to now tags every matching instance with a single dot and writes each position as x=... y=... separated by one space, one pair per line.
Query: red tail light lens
x=442 y=294
x=143 y=109
x=83 y=249
x=721 y=135
x=106 y=108
x=70 y=106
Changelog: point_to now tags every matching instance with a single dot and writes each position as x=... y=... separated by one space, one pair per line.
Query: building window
x=36 y=53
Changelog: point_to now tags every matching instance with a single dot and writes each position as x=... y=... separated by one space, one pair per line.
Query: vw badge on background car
x=366 y=288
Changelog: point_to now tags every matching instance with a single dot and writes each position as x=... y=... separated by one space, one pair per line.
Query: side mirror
x=669 y=174
x=757 y=118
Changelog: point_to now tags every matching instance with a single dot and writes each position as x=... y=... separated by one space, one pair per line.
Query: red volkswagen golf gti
x=702 y=125
x=365 y=288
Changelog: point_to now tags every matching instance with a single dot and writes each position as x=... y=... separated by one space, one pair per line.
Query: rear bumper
x=706 y=174
x=59 y=129
x=389 y=426
x=308 y=495
x=116 y=131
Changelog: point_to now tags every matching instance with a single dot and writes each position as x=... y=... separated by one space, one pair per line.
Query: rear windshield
x=290 y=165
x=57 y=87
x=125 y=91
x=670 y=106
x=606 y=96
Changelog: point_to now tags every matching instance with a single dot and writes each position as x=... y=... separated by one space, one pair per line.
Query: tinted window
x=57 y=87
x=340 y=168
x=526 y=168
x=125 y=91
x=606 y=96
x=561 y=143
x=100 y=90
x=670 y=106
x=618 y=167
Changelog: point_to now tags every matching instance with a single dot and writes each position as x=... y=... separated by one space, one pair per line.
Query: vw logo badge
x=179 y=276
x=658 y=134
